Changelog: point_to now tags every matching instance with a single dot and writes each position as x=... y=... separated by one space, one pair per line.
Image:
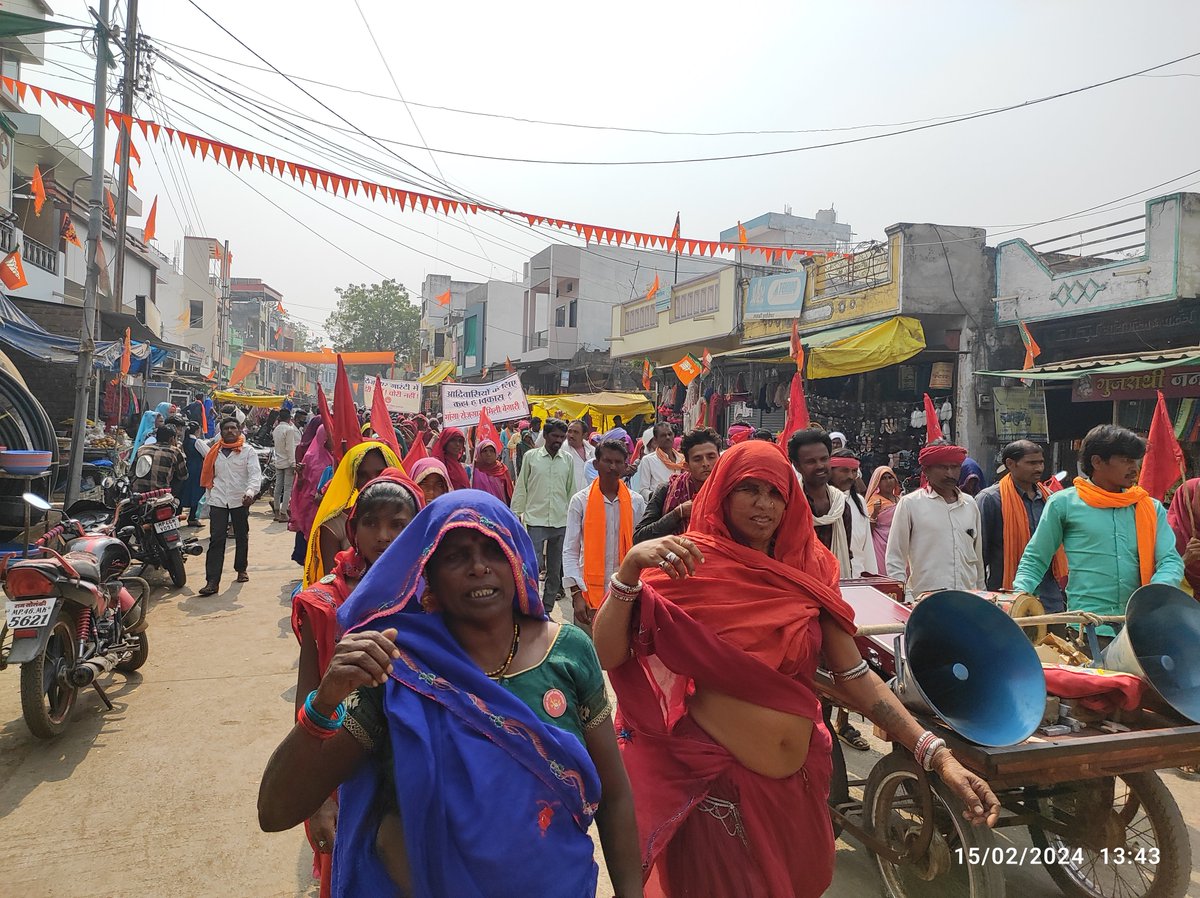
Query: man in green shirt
x=542 y=493
x=1116 y=537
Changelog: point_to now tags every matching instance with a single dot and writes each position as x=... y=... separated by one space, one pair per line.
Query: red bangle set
x=306 y=724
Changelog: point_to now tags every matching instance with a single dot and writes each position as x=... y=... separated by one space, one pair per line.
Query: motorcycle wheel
x=139 y=656
x=174 y=566
x=46 y=698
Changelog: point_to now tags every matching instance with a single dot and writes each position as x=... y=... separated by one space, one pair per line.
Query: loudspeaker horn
x=1159 y=644
x=966 y=661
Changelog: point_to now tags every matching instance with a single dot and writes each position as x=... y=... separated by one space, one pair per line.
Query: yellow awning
x=437 y=374
x=599 y=405
x=265 y=401
x=887 y=343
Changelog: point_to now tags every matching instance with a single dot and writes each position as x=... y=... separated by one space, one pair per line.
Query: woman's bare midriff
x=771 y=743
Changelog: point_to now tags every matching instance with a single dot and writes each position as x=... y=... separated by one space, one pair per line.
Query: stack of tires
x=24 y=424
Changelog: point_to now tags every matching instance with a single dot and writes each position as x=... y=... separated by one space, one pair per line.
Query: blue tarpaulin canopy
x=21 y=332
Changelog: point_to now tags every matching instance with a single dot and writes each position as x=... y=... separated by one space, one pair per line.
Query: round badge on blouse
x=555 y=703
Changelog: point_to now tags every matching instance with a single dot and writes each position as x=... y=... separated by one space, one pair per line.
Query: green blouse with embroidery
x=565 y=690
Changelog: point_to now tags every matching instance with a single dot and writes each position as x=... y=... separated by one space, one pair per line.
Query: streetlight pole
x=95 y=233
x=125 y=140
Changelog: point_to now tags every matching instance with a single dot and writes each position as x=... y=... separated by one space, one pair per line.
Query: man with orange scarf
x=1116 y=537
x=1010 y=511
x=661 y=463
x=233 y=478
x=600 y=522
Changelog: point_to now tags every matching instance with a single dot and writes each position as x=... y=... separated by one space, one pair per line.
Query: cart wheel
x=1141 y=850
x=839 y=784
x=893 y=811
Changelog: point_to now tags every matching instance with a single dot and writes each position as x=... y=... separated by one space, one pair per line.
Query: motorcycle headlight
x=108 y=483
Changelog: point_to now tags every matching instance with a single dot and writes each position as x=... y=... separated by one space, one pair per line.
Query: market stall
x=601 y=407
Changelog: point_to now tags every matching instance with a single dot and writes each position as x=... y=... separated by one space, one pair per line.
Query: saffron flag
x=1164 y=462
x=1032 y=350
x=647 y=374
x=347 y=432
x=509 y=366
x=796 y=346
x=1053 y=485
x=687 y=368
x=486 y=430
x=381 y=421
x=112 y=207
x=443 y=299
x=279 y=308
x=675 y=235
x=12 y=272
x=134 y=156
x=68 y=230
x=126 y=352
x=415 y=454
x=151 y=221
x=933 y=428
x=742 y=235
x=324 y=412
x=39 y=191
x=653 y=288
x=797 y=413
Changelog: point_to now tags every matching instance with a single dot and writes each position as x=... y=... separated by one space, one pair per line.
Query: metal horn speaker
x=966 y=661
x=1159 y=643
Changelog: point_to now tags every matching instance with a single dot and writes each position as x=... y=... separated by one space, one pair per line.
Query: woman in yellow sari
x=360 y=465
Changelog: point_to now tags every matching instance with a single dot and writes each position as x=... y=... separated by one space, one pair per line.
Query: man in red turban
x=936 y=540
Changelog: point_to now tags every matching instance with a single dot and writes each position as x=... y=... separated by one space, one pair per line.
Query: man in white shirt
x=584 y=578
x=936 y=540
x=661 y=463
x=579 y=450
x=232 y=487
x=844 y=475
x=285 y=438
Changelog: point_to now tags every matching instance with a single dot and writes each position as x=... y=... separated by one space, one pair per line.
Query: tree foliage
x=376 y=318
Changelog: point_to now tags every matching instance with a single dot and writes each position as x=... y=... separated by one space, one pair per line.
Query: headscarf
x=316 y=458
x=306 y=439
x=145 y=428
x=429 y=466
x=970 y=471
x=495 y=479
x=876 y=479
x=681 y=488
x=339 y=496
x=454 y=467
x=164 y=409
x=451 y=729
x=1183 y=518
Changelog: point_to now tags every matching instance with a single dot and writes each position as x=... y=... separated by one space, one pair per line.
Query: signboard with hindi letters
x=1020 y=414
x=400 y=395
x=1174 y=383
x=778 y=296
x=504 y=400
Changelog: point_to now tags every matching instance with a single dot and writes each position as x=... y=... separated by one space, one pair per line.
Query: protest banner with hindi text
x=401 y=395
x=504 y=400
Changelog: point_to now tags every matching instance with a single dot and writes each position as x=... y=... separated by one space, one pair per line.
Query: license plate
x=166 y=526
x=31 y=613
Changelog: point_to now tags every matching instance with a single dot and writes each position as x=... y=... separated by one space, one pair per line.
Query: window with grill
x=700 y=300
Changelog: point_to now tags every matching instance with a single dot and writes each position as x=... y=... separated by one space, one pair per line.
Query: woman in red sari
x=384 y=507
x=712 y=640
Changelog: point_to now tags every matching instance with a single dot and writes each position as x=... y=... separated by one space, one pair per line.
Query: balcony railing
x=541 y=340
x=40 y=256
x=8 y=238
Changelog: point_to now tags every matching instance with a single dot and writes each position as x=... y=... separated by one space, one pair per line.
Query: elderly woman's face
x=487 y=455
x=432 y=485
x=455 y=447
x=470 y=578
x=753 y=512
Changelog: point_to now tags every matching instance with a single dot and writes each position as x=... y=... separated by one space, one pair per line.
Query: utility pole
x=223 y=310
x=95 y=232
x=128 y=83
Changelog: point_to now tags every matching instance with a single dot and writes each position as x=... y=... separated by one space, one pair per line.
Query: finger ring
x=664 y=564
x=320 y=843
x=671 y=558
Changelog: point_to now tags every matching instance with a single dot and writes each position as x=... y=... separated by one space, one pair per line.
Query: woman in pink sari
x=883 y=492
x=490 y=474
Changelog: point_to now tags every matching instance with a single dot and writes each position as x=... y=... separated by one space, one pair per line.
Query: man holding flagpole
x=1115 y=535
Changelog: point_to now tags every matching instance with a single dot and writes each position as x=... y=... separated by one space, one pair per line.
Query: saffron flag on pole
x=647 y=374
x=347 y=432
x=742 y=235
x=1032 y=350
x=1164 y=462
x=797 y=349
x=151 y=220
x=687 y=368
x=486 y=430
x=126 y=353
x=933 y=428
x=39 y=191
x=675 y=230
x=112 y=207
x=443 y=299
x=509 y=366
x=12 y=272
x=797 y=413
x=381 y=421
x=68 y=230
x=415 y=454
x=653 y=288
x=325 y=413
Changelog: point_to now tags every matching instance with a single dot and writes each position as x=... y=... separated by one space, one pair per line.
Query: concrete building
x=821 y=232
x=255 y=316
x=438 y=320
x=191 y=304
x=487 y=334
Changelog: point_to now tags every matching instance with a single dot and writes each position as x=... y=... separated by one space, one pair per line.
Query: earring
x=427 y=603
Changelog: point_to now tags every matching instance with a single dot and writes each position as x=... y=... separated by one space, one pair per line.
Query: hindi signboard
x=504 y=400
x=777 y=296
x=1020 y=414
x=1174 y=383
x=400 y=395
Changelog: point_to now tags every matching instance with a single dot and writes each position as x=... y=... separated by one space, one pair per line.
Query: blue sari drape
x=494 y=802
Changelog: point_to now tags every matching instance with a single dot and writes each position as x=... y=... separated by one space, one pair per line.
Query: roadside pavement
x=157 y=797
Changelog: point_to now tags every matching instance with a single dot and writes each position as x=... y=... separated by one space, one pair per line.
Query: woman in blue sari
x=469 y=734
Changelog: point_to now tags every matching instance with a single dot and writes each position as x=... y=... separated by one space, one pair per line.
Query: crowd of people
x=453 y=737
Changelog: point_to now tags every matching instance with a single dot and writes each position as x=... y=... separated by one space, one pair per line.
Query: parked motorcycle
x=72 y=619
x=148 y=523
x=266 y=462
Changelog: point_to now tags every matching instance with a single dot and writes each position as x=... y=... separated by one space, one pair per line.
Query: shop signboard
x=1174 y=383
x=777 y=296
x=941 y=376
x=1020 y=414
x=400 y=395
x=504 y=400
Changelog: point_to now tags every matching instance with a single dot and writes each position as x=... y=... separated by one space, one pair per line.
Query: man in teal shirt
x=542 y=493
x=1095 y=521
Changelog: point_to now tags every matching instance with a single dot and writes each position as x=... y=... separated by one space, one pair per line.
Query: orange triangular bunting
x=37 y=93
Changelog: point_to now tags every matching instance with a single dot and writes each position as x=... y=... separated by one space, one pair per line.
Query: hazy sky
x=665 y=66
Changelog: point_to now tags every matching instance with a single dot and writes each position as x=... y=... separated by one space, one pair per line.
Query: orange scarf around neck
x=208 y=471
x=1145 y=517
x=673 y=466
x=595 y=535
x=1017 y=535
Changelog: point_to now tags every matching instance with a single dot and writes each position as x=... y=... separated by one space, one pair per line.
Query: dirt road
x=157 y=797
